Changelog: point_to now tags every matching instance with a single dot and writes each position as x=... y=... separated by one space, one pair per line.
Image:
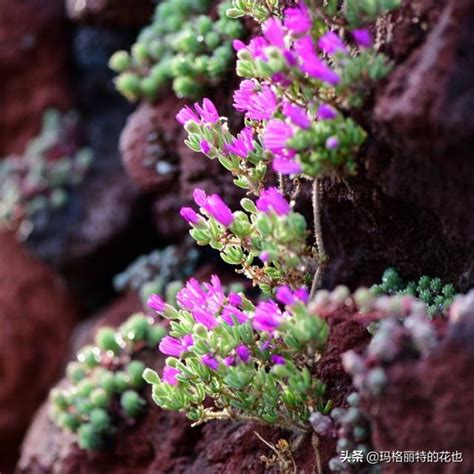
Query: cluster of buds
x=38 y=182
x=268 y=242
x=103 y=384
x=160 y=271
x=253 y=362
x=183 y=46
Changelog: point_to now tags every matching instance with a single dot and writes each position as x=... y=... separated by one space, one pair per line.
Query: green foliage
x=437 y=295
x=39 y=182
x=183 y=46
x=249 y=371
x=269 y=249
x=260 y=11
x=360 y=12
x=103 y=375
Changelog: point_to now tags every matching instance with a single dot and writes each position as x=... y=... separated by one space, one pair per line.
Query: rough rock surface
x=33 y=67
x=89 y=239
x=409 y=206
x=111 y=12
x=428 y=405
x=156 y=158
x=37 y=315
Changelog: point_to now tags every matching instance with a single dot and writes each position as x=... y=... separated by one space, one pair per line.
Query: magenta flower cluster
x=290 y=52
x=211 y=307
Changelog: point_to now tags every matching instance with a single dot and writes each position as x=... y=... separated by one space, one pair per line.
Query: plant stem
x=315 y=443
x=318 y=236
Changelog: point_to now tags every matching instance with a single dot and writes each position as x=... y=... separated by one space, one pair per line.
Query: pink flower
x=169 y=375
x=267 y=317
x=272 y=200
x=363 y=38
x=258 y=105
x=156 y=303
x=231 y=313
x=286 y=166
x=330 y=43
x=235 y=299
x=199 y=197
x=217 y=208
x=297 y=114
x=171 y=346
x=274 y=33
x=332 y=143
x=243 y=144
x=205 y=146
x=298 y=20
x=204 y=317
x=312 y=64
x=264 y=256
x=207 y=111
x=210 y=361
x=287 y=297
x=276 y=134
x=186 y=114
x=243 y=352
x=189 y=215
x=278 y=359
x=326 y=112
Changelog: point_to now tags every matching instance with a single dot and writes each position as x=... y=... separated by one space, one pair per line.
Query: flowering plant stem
x=318 y=235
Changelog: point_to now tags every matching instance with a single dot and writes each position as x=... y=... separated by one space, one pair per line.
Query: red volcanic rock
x=33 y=67
x=119 y=13
x=156 y=158
x=428 y=405
x=149 y=145
x=36 y=316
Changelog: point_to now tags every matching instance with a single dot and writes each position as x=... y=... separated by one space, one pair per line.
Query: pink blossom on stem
x=326 y=112
x=276 y=134
x=330 y=43
x=243 y=144
x=210 y=361
x=171 y=346
x=156 y=303
x=186 y=114
x=363 y=38
x=207 y=111
x=189 y=215
x=272 y=200
x=296 y=114
x=298 y=20
x=267 y=316
x=274 y=33
x=169 y=375
x=312 y=64
x=243 y=352
x=286 y=166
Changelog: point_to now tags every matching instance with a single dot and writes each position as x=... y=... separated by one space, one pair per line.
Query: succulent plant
x=103 y=385
x=39 y=181
x=437 y=295
x=185 y=47
x=160 y=271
